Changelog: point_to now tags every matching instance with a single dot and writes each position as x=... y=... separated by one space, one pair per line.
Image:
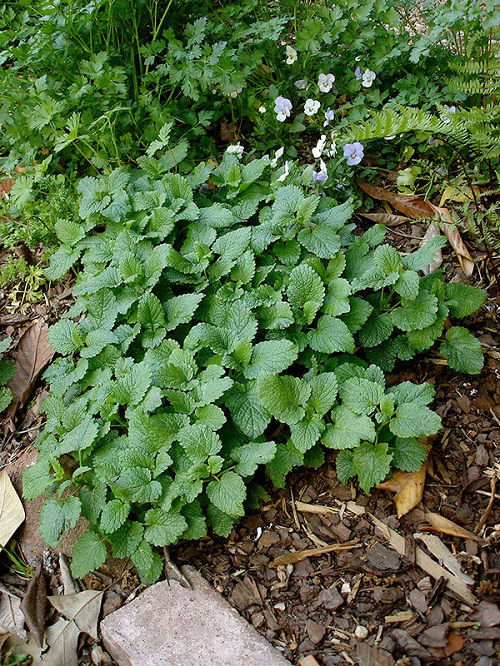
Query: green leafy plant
x=7 y=369
x=224 y=321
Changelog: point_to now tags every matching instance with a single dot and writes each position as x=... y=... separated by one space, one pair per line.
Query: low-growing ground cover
x=186 y=188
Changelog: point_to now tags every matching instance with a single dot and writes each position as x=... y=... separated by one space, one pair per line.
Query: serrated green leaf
x=247 y=411
x=324 y=390
x=372 y=463
x=64 y=337
x=414 y=420
x=284 y=397
x=464 y=299
x=416 y=314
x=305 y=285
x=251 y=455
x=321 y=240
x=408 y=285
x=462 y=351
x=56 y=516
x=149 y=563
x=417 y=393
x=199 y=442
x=228 y=493
x=425 y=255
x=408 y=454
x=163 y=528
x=114 y=515
x=286 y=458
x=344 y=466
x=89 y=553
x=361 y=395
x=270 y=357
x=180 y=309
x=347 y=429
x=306 y=433
x=331 y=335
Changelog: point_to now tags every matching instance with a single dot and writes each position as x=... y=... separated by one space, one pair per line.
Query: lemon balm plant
x=228 y=321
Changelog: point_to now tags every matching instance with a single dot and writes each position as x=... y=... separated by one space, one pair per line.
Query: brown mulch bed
x=317 y=606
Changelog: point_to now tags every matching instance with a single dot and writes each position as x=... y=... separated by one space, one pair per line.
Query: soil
x=366 y=604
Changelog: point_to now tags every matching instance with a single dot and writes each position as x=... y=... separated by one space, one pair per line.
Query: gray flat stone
x=170 y=625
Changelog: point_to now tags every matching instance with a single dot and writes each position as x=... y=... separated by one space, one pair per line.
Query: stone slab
x=171 y=625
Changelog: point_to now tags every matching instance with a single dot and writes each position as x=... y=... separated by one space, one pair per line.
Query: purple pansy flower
x=353 y=153
x=357 y=73
x=282 y=108
x=321 y=175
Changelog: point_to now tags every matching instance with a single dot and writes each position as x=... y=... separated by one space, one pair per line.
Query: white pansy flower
x=311 y=107
x=368 y=78
x=236 y=92
x=325 y=82
x=285 y=173
x=329 y=115
x=282 y=108
x=235 y=149
x=262 y=109
x=321 y=175
x=301 y=84
x=320 y=146
x=278 y=153
x=291 y=55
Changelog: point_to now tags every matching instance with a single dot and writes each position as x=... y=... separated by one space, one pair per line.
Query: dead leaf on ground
x=408 y=486
x=402 y=616
x=432 y=231
x=455 y=643
x=69 y=585
x=292 y=558
x=35 y=605
x=83 y=608
x=455 y=240
x=444 y=555
x=410 y=205
x=31 y=356
x=305 y=507
x=441 y=524
x=423 y=560
x=63 y=640
x=388 y=219
x=11 y=509
x=27 y=647
x=11 y=615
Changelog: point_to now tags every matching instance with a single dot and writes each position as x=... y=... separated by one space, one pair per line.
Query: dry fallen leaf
x=455 y=643
x=388 y=219
x=31 y=356
x=83 y=608
x=304 y=507
x=402 y=616
x=11 y=615
x=34 y=605
x=292 y=558
x=69 y=585
x=423 y=560
x=432 y=231
x=441 y=524
x=444 y=555
x=455 y=240
x=6 y=186
x=63 y=640
x=409 y=489
x=410 y=205
x=27 y=647
x=408 y=486
x=11 y=509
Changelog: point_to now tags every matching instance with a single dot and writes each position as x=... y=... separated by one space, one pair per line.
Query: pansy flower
x=311 y=107
x=301 y=84
x=291 y=54
x=282 y=108
x=317 y=151
x=321 y=175
x=368 y=78
x=325 y=82
x=329 y=116
x=357 y=73
x=353 y=153
x=277 y=154
x=235 y=149
x=285 y=173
